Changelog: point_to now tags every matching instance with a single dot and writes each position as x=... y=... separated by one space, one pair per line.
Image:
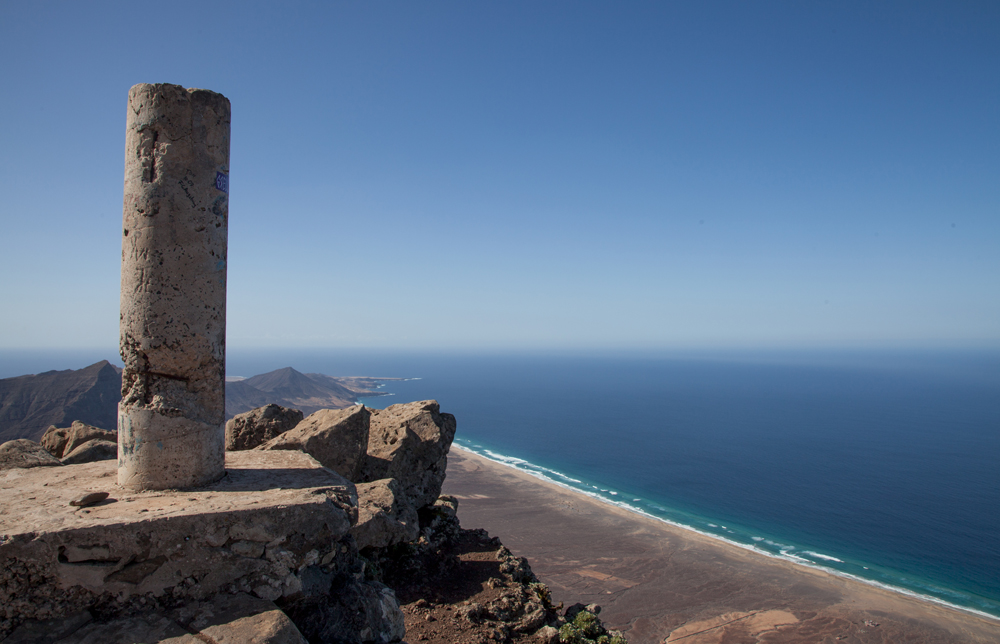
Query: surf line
x=519 y=463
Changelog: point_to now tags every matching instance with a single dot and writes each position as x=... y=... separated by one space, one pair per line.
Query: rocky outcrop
x=257 y=426
x=459 y=585
x=60 y=442
x=93 y=450
x=22 y=453
x=397 y=456
x=337 y=438
x=383 y=518
x=410 y=443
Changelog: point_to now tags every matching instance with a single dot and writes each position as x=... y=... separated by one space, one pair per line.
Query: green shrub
x=588 y=624
x=569 y=634
x=586 y=628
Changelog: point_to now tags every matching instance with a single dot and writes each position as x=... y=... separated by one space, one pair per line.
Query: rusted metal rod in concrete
x=171 y=418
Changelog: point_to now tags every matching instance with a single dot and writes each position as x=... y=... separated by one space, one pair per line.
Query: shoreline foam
x=539 y=473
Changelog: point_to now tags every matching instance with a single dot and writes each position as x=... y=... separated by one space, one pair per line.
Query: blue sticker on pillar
x=222 y=182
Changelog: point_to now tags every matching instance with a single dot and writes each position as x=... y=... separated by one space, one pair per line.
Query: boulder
x=257 y=426
x=382 y=519
x=337 y=438
x=239 y=619
x=60 y=441
x=24 y=453
x=95 y=449
x=410 y=443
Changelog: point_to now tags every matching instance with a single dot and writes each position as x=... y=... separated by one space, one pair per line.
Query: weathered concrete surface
x=257 y=426
x=337 y=438
x=275 y=517
x=173 y=288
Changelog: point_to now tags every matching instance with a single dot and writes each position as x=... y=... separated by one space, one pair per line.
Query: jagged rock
x=439 y=522
x=337 y=438
x=410 y=443
x=54 y=440
x=534 y=618
x=547 y=635
x=22 y=453
x=93 y=450
x=382 y=519
x=471 y=612
x=515 y=568
x=257 y=426
x=60 y=441
x=355 y=613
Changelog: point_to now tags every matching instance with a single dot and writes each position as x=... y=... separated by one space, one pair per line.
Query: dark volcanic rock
x=337 y=438
x=25 y=453
x=30 y=404
x=255 y=427
x=356 y=612
x=410 y=443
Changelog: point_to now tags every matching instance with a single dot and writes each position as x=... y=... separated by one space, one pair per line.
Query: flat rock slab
x=272 y=516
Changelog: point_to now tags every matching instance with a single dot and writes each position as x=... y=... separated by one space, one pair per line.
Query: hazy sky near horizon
x=529 y=175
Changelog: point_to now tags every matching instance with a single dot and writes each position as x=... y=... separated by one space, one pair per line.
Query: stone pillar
x=171 y=420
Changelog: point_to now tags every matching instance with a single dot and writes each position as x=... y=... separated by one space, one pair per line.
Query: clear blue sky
x=528 y=175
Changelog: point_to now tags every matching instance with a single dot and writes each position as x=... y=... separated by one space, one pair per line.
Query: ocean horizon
x=878 y=465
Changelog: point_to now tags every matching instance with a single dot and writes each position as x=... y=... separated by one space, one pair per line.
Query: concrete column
x=171 y=420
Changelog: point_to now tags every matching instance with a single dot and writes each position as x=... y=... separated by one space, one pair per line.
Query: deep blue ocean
x=880 y=465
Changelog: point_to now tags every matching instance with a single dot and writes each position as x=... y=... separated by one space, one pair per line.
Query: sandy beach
x=662 y=583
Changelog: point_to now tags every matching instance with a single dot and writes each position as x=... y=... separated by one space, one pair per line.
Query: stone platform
x=271 y=527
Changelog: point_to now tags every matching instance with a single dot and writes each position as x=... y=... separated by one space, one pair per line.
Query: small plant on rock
x=586 y=628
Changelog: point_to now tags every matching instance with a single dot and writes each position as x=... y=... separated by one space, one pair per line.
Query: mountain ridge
x=29 y=404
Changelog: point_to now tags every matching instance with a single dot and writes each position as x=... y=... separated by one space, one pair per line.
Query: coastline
x=655 y=578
